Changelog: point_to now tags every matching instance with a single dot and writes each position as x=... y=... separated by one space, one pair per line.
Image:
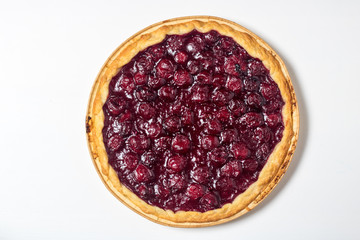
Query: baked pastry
x=192 y=121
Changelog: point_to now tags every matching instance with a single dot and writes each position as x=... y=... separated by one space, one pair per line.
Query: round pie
x=192 y=121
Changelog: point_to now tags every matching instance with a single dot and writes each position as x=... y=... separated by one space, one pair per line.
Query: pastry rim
x=271 y=173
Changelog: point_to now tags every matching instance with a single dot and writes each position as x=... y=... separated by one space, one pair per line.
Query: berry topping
x=257 y=68
x=229 y=136
x=167 y=93
x=144 y=63
x=218 y=156
x=143 y=190
x=146 y=111
x=177 y=182
x=157 y=51
x=191 y=121
x=254 y=100
x=156 y=82
x=251 y=83
x=219 y=79
x=240 y=150
x=221 y=97
x=195 y=191
x=174 y=43
x=162 y=144
x=262 y=152
x=272 y=106
x=131 y=160
x=187 y=117
x=262 y=134
x=165 y=69
x=204 y=77
x=195 y=45
x=172 y=124
x=223 y=115
x=234 y=84
x=269 y=91
x=230 y=66
x=115 y=142
x=209 y=142
x=121 y=128
x=209 y=201
x=200 y=93
x=176 y=163
x=125 y=83
x=126 y=116
x=161 y=191
x=231 y=169
x=272 y=120
x=138 y=143
x=201 y=175
x=181 y=57
x=153 y=130
x=116 y=105
x=180 y=144
x=142 y=173
x=182 y=78
x=148 y=158
x=226 y=187
x=252 y=119
x=145 y=94
x=140 y=78
x=213 y=127
x=226 y=43
x=237 y=107
x=250 y=164
x=211 y=37
x=194 y=66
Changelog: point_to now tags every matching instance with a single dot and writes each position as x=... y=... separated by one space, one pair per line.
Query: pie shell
x=273 y=170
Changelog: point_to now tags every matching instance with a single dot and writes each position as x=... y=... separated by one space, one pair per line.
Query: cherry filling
x=191 y=121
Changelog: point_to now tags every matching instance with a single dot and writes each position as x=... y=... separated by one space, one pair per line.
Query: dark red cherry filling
x=191 y=121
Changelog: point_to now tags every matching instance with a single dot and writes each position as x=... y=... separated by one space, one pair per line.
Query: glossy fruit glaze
x=191 y=121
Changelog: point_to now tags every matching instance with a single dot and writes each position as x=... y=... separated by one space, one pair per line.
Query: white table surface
x=50 y=54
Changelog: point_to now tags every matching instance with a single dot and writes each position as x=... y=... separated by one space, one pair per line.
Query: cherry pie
x=192 y=121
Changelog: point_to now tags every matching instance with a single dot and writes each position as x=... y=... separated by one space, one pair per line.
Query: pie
x=192 y=121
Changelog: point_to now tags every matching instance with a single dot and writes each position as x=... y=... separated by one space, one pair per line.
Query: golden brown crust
x=277 y=163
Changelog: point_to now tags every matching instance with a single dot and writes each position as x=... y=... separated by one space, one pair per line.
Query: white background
x=50 y=54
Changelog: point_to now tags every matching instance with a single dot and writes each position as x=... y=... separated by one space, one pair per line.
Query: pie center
x=191 y=121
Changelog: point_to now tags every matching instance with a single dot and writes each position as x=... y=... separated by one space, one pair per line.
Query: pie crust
x=277 y=162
